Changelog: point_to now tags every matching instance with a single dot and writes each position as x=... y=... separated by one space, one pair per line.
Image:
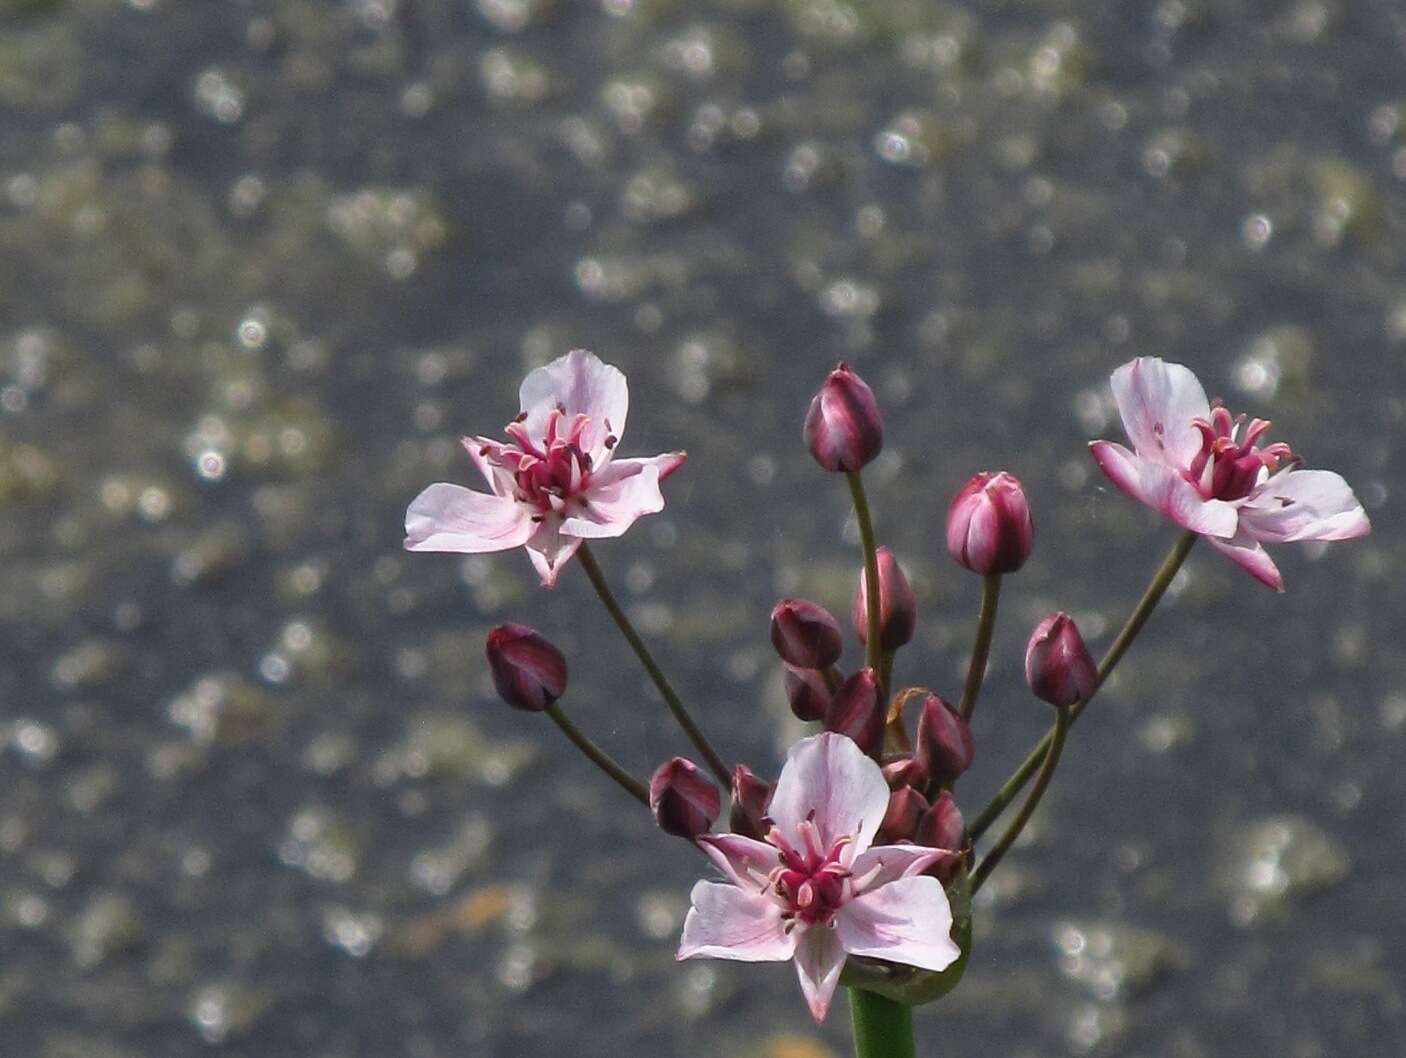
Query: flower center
x=550 y=474
x=1229 y=464
x=811 y=882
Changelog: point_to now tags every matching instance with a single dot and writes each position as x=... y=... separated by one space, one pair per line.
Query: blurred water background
x=263 y=261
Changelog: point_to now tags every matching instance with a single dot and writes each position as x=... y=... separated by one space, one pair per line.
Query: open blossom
x=815 y=891
x=554 y=482
x=1203 y=469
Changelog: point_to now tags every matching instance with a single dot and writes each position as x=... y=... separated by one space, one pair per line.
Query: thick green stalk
x=666 y=690
x=603 y=760
x=883 y=1028
x=981 y=647
x=1063 y=719
x=1150 y=598
x=874 y=648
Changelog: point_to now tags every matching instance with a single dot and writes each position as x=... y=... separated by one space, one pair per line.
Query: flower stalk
x=883 y=1027
x=874 y=647
x=981 y=646
x=599 y=757
x=1161 y=580
x=661 y=683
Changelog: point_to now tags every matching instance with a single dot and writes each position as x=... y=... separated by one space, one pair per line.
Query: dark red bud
x=807 y=692
x=1058 y=666
x=906 y=807
x=898 y=609
x=905 y=771
x=528 y=672
x=682 y=798
x=942 y=827
x=805 y=634
x=843 y=428
x=750 y=797
x=857 y=712
x=944 y=741
x=988 y=525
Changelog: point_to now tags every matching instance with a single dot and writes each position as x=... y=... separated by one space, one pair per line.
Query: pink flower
x=815 y=891
x=554 y=483
x=1201 y=468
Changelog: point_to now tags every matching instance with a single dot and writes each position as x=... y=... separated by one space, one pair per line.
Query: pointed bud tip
x=856 y=712
x=989 y=528
x=843 y=427
x=805 y=634
x=945 y=746
x=898 y=607
x=1058 y=666
x=684 y=801
x=528 y=672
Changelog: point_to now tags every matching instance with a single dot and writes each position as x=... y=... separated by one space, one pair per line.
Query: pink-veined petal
x=888 y=863
x=621 y=493
x=907 y=921
x=745 y=861
x=1157 y=402
x=550 y=551
x=727 y=923
x=452 y=518
x=582 y=384
x=1303 y=505
x=498 y=478
x=819 y=960
x=1245 y=551
x=828 y=778
x=1164 y=490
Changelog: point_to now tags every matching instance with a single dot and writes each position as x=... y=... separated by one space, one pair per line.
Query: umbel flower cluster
x=856 y=863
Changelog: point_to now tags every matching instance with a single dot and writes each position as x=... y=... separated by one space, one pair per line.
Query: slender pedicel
x=599 y=757
x=1161 y=580
x=874 y=647
x=981 y=646
x=710 y=756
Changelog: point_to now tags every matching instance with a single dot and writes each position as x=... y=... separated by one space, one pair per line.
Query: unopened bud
x=683 y=800
x=807 y=692
x=988 y=525
x=857 y=712
x=906 y=807
x=942 y=825
x=528 y=672
x=750 y=797
x=1058 y=666
x=898 y=609
x=944 y=741
x=805 y=634
x=905 y=771
x=843 y=428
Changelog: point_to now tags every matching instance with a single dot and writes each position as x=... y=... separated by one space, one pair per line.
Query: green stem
x=1150 y=598
x=671 y=699
x=981 y=647
x=874 y=647
x=1063 y=719
x=603 y=760
x=883 y=1027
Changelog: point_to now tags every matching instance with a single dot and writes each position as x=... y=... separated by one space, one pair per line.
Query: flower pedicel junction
x=856 y=864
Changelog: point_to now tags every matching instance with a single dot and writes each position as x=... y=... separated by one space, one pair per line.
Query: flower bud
x=944 y=741
x=1058 y=666
x=905 y=771
x=898 y=610
x=683 y=800
x=843 y=429
x=807 y=692
x=750 y=797
x=857 y=712
x=942 y=825
x=805 y=634
x=528 y=672
x=906 y=807
x=988 y=525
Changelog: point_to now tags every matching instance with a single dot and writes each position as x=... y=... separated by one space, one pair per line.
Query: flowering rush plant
x=856 y=864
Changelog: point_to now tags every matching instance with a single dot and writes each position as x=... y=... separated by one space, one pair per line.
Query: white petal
x=498 y=478
x=1157 y=402
x=582 y=384
x=1304 y=505
x=819 y=960
x=907 y=921
x=727 y=923
x=1164 y=490
x=1245 y=551
x=549 y=551
x=745 y=861
x=894 y=862
x=624 y=491
x=829 y=779
x=452 y=518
